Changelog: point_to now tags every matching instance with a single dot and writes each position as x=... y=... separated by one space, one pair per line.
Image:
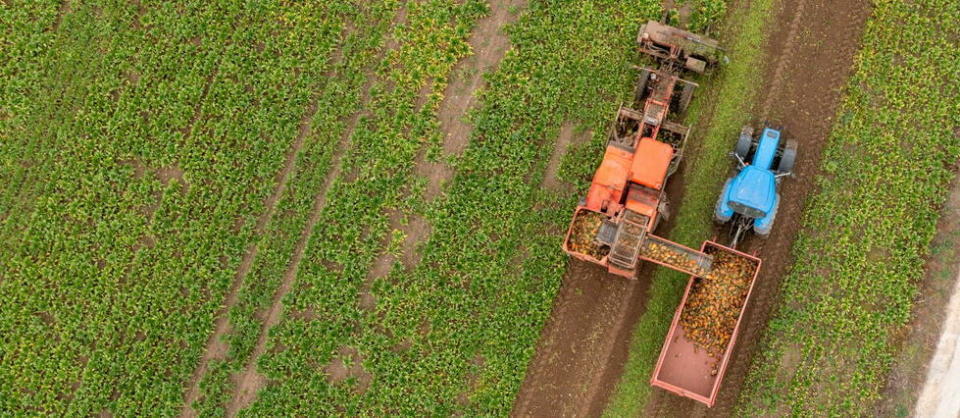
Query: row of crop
x=58 y=258
x=24 y=38
x=455 y=332
x=162 y=124
x=861 y=251
x=336 y=99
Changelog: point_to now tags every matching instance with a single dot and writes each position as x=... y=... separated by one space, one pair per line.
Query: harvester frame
x=644 y=148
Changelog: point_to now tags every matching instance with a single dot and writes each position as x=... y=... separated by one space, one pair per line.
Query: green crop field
x=221 y=208
x=865 y=236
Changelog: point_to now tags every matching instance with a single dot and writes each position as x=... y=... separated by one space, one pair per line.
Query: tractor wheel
x=641 y=91
x=686 y=94
x=744 y=143
x=789 y=157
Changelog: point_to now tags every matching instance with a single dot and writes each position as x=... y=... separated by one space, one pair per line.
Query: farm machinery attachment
x=698 y=347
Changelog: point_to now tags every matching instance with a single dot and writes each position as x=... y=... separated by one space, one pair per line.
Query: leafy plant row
x=24 y=41
x=155 y=130
x=865 y=235
x=375 y=186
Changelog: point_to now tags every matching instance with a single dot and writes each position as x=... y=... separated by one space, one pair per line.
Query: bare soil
x=382 y=266
x=63 y=10
x=809 y=60
x=251 y=381
x=347 y=364
x=589 y=316
x=908 y=376
x=489 y=45
x=216 y=348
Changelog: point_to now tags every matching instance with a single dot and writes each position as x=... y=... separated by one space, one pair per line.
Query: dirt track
x=809 y=57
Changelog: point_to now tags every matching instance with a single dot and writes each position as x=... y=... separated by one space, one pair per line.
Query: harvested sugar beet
x=584 y=233
x=714 y=303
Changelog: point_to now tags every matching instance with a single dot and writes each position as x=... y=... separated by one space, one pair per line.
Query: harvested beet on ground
x=714 y=303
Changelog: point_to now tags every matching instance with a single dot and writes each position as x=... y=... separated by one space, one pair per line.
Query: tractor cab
x=750 y=198
x=751 y=194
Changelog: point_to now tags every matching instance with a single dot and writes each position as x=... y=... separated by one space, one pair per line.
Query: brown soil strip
x=575 y=344
x=382 y=266
x=568 y=136
x=489 y=44
x=920 y=339
x=63 y=10
x=417 y=230
x=250 y=381
x=790 y=43
x=188 y=129
x=216 y=348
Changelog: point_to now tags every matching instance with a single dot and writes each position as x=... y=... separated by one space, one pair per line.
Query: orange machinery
x=627 y=198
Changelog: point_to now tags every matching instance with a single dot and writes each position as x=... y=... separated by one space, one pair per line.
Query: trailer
x=686 y=366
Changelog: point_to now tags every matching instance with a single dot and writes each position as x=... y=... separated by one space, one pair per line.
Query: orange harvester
x=626 y=199
x=643 y=150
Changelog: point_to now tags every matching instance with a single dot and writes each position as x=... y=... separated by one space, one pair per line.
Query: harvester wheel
x=744 y=143
x=789 y=157
x=641 y=91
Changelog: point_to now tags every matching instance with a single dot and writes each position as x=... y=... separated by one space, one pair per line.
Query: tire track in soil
x=583 y=348
x=490 y=44
x=250 y=381
x=216 y=348
x=827 y=40
x=568 y=137
x=61 y=11
x=567 y=370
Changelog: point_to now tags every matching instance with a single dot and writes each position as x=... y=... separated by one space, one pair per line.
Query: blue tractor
x=750 y=198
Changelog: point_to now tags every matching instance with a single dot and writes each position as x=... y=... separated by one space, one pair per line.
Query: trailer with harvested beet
x=705 y=326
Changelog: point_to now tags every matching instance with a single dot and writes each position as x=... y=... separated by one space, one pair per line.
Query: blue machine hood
x=755 y=188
